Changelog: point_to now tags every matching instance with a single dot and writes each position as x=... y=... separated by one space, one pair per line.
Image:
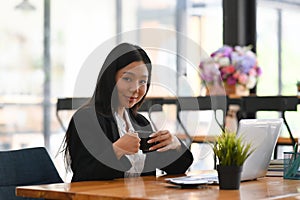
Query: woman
x=101 y=142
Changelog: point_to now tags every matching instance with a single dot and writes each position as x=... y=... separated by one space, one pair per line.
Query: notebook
x=263 y=134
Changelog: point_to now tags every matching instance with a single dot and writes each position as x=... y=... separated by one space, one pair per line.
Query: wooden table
x=152 y=187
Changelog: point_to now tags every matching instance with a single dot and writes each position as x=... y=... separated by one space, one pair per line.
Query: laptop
x=263 y=134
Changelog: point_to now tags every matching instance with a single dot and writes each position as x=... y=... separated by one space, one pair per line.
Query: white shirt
x=137 y=160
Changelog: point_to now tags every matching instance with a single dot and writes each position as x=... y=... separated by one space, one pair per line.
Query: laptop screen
x=263 y=134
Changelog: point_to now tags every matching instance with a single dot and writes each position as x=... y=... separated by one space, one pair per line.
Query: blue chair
x=31 y=166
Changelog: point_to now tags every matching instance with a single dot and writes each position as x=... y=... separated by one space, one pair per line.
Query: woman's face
x=131 y=83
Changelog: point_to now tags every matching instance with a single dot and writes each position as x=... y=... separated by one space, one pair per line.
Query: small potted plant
x=231 y=153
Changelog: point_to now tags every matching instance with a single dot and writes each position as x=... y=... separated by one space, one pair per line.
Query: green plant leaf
x=231 y=150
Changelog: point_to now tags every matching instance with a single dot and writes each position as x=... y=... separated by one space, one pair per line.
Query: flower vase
x=230 y=89
x=236 y=90
x=214 y=89
x=241 y=90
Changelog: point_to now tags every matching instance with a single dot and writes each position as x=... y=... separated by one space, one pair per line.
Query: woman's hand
x=165 y=141
x=126 y=145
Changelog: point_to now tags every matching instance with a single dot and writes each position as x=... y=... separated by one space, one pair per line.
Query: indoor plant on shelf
x=231 y=153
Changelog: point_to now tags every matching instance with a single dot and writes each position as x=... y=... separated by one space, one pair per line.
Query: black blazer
x=92 y=156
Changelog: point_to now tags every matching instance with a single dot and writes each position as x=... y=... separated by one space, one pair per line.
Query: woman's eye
x=126 y=79
x=142 y=82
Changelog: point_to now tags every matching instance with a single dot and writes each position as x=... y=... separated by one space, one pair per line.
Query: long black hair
x=104 y=97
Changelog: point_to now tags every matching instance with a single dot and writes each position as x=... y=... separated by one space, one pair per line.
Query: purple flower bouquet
x=233 y=66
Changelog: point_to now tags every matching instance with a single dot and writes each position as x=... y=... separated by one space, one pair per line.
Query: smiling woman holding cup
x=103 y=137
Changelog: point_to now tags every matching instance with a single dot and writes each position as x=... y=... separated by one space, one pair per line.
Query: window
x=277 y=50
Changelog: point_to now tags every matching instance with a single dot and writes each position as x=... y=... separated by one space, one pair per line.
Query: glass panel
x=205 y=28
x=267 y=50
x=21 y=74
x=290 y=51
x=205 y=24
x=268 y=36
x=290 y=61
x=75 y=35
x=158 y=15
x=201 y=24
x=77 y=29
